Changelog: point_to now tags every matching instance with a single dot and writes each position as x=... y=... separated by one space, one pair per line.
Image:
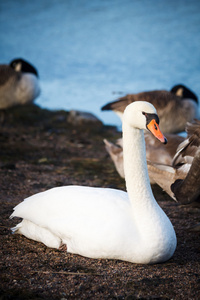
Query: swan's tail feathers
x=16 y=229
x=37 y=233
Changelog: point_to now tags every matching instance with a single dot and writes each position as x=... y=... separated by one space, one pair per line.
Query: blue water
x=89 y=52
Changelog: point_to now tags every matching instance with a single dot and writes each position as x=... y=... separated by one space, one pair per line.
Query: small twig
x=66 y=273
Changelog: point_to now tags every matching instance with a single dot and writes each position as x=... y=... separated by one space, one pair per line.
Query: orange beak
x=155 y=130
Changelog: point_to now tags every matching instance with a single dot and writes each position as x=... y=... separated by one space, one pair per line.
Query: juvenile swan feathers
x=102 y=222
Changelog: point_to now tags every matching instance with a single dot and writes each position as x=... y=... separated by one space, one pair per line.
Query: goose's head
x=143 y=115
x=21 y=65
x=184 y=92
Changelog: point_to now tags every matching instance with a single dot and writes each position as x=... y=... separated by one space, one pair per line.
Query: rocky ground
x=40 y=149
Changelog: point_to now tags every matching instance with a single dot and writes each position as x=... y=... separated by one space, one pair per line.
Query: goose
x=175 y=107
x=155 y=151
x=19 y=83
x=103 y=222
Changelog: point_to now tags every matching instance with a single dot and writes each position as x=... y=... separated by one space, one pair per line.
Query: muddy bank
x=40 y=149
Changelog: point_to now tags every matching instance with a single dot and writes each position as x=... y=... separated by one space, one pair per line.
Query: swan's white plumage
x=92 y=220
x=104 y=223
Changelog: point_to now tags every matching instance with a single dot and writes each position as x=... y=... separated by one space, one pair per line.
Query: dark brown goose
x=175 y=107
x=19 y=83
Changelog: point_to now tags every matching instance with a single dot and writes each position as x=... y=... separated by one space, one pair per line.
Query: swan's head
x=143 y=115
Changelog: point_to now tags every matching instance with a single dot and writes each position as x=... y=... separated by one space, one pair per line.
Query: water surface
x=89 y=52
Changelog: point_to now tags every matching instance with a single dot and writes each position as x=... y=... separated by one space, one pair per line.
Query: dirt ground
x=39 y=149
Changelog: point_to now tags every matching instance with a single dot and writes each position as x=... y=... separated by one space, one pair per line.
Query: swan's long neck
x=135 y=166
x=153 y=229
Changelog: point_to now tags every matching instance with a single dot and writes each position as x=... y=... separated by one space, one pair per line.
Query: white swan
x=102 y=222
